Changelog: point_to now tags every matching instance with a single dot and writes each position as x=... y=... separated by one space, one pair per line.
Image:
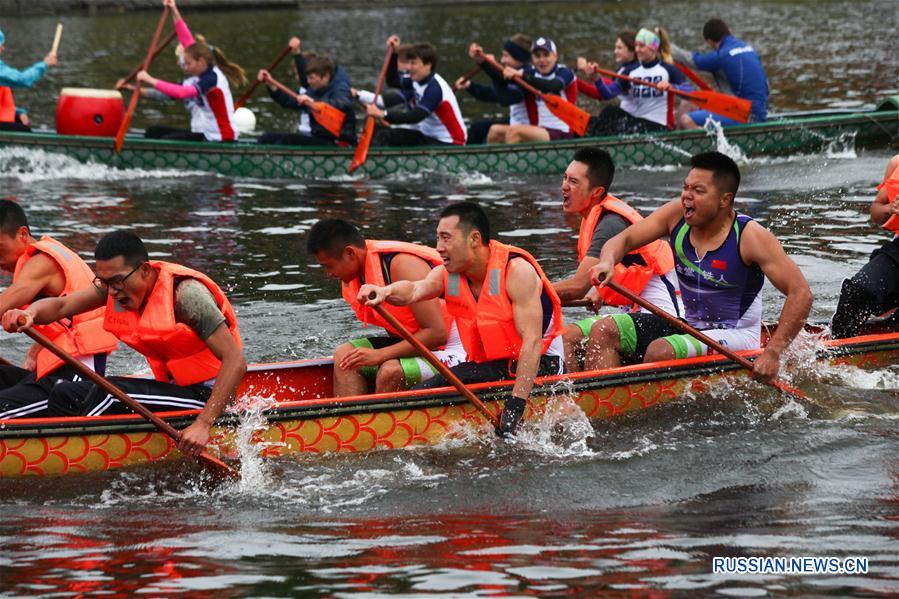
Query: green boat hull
x=794 y=135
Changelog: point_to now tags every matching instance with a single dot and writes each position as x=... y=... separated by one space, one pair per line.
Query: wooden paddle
x=692 y=76
x=732 y=107
x=214 y=465
x=428 y=355
x=467 y=76
x=56 y=39
x=126 y=122
x=721 y=349
x=274 y=64
x=162 y=46
x=570 y=114
x=361 y=152
x=329 y=117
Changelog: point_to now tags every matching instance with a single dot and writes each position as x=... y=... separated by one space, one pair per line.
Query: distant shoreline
x=45 y=7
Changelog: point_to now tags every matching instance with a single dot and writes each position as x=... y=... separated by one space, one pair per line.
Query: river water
x=634 y=507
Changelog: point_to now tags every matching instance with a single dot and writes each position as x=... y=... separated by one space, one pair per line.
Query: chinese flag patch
x=719 y=264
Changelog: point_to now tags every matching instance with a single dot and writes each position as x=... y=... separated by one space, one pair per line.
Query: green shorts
x=415 y=369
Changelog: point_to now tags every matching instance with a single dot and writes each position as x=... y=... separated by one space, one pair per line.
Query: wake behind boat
x=801 y=133
x=305 y=419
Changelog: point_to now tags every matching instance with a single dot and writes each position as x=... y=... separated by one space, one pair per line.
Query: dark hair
x=426 y=53
x=715 y=30
x=471 y=216
x=124 y=244
x=725 y=171
x=523 y=41
x=600 y=168
x=628 y=38
x=332 y=235
x=12 y=218
x=403 y=51
x=321 y=66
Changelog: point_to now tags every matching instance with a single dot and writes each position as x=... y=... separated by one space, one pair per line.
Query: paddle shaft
x=721 y=349
x=635 y=81
x=123 y=397
x=467 y=76
x=517 y=79
x=56 y=39
x=246 y=95
x=428 y=355
x=290 y=92
x=361 y=152
x=162 y=46
x=132 y=105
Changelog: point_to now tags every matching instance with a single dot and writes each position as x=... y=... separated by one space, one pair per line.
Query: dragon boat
x=797 y=133
x=305 y=419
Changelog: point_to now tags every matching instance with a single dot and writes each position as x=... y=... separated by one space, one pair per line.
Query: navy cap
x=544 y=43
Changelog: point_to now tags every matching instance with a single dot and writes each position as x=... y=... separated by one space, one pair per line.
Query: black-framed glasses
x=115 y=283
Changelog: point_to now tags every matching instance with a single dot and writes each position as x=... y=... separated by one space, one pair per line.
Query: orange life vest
x=83 y=334
x=891 y=184
x=375 y=274
x=7 y=106
x=487 y=325
x=175 y=352
x=656 y=255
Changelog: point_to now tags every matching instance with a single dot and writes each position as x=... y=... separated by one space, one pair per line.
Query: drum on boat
x=85 y=111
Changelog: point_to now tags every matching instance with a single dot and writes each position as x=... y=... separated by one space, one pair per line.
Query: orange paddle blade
x=364 y=141
x=731 y=107
x=570 y=114
x=329 y=117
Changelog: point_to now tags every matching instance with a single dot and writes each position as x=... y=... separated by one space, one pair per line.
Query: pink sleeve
x=185 y=37
x=177 y=91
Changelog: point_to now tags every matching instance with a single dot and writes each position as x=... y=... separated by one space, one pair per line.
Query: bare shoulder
x=758 y=244
x=522 y=279
x=406 y=267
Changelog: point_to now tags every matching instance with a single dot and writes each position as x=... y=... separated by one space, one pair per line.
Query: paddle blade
x=570 y=114
x=731 y=107
x=364 y=141
x=329 y=117
x=219 y=470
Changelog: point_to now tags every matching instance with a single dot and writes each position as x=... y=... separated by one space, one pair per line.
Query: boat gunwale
x=250 y=148
x=428 y=398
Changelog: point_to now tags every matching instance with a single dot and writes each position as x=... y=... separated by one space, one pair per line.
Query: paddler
x=721 y=258
x=508 y=315
x=647 y=271
x=13 y=118
x=176 y=317
x=391 y=363
x=875 y=288
x=737 y=69
x=45 y=268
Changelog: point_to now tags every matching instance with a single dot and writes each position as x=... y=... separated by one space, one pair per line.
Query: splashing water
x=714 y=129
x=30 y=165
x=255 y=475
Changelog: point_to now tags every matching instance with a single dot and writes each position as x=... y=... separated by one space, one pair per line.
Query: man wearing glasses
x=45 y=268
x=178 y=318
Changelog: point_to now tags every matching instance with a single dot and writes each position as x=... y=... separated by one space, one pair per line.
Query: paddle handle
x=274 y=64
x=126 y=122
x=467 y=76
x=428 y=355
x=57 y=37
x=361 y=153
x=517 y=78
x=721 y=349
x=123 y=397
x=162 y=46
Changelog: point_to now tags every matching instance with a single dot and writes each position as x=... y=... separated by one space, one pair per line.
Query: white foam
x=29 y=165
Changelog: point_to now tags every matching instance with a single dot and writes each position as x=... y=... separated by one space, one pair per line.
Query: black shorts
x=497 y=370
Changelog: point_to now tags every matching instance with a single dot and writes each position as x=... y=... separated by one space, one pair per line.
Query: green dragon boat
x=799 y=133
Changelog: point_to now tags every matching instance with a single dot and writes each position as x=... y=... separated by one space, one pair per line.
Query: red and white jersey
x=537 y=107
x=212 y=111
x=444 y=121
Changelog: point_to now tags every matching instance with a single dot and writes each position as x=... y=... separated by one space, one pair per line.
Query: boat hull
x=804 y=134
x=305 y=420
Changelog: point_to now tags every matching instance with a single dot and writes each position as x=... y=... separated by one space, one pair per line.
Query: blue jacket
x=743 y=69
x=11 y=77
x=336 y=93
